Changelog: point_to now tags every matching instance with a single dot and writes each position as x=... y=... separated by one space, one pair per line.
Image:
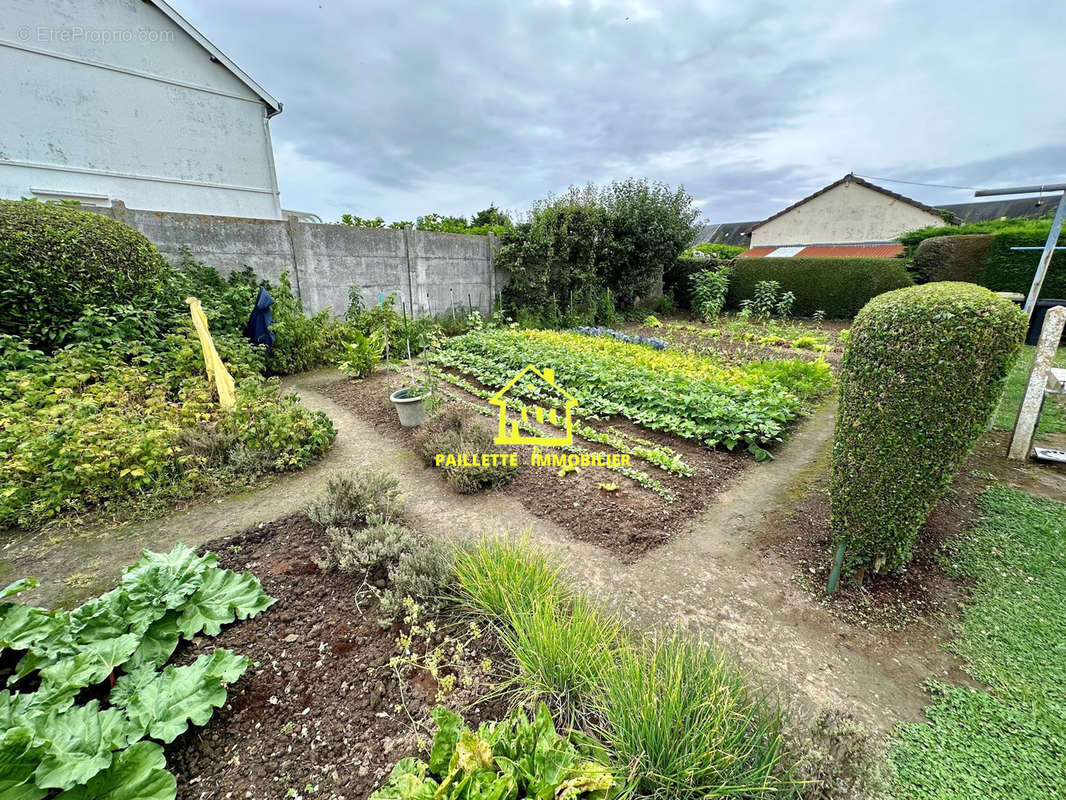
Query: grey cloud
x=407 y=110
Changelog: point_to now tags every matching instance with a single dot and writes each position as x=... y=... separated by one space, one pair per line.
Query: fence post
x=408 y=233
x=492 y=270
x=1021 y=440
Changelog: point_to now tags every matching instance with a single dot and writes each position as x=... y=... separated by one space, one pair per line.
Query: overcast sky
x=401 y=109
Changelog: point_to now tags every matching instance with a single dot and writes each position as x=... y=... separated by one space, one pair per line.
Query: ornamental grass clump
x=920 y=377
x=562 y=653
x=497 y=578
x=680 y=721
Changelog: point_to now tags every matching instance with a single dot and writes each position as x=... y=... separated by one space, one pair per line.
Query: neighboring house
x=854 y=217
x=849 y=211
x=125 y=100
x=1028 y=207
x=545 y=381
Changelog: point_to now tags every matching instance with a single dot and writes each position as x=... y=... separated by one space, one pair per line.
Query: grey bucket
x=411 y=410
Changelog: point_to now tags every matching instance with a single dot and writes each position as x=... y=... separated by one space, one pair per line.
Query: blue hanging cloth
x=258 y=328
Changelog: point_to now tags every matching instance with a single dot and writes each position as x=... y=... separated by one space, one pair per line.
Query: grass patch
x=678 y=720
x=1053 y=417
x=1008 y=741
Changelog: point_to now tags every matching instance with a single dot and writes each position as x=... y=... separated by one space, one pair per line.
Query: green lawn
x=1053 y=419
x=1008 y=741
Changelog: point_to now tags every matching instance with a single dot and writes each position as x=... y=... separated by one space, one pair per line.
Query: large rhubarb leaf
x=79 y=743
x=162 y=581
x=91 y=665
x=223 y=595
x=158 y=644
x=101 y=618
x=138 y=773
x=19 y=757
x=21 y=585
x=22 y=626
x=162 y=705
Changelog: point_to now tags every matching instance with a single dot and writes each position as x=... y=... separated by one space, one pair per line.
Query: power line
x=917 y=183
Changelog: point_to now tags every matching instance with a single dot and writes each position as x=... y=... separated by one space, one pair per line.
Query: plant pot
x=409 y=406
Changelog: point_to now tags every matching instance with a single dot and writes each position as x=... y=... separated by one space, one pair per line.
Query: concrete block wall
x=428 y=271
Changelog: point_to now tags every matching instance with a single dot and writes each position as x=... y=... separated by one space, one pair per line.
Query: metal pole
x=1045 y=258
x=834 y=576
x=1050 y=187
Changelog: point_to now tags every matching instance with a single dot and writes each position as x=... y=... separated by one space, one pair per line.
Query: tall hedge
x=677 y=277
x=837 y=286
x=56 y=260
x=1001 y=269
x=920 y=377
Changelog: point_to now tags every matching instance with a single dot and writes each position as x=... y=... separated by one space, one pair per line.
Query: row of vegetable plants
x=90 y=703
x=638 y=476
x=665 y=458
x=692 y=397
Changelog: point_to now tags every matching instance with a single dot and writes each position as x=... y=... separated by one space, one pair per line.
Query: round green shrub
x=56 y=261
x=920 y=377
x=952 y=258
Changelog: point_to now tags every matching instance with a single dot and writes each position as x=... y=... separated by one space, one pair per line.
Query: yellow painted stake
x=216 y=370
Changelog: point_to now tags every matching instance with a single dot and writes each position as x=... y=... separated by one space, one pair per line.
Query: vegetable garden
x=362 y=647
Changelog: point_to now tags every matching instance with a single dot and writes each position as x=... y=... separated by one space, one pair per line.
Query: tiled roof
x=877 y=250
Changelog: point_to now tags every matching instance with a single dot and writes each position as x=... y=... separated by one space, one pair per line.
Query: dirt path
x=710 y=577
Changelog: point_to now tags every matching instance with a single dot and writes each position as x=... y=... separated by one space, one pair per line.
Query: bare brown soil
x=320 y=713
x=628 y=521
x=801 y=534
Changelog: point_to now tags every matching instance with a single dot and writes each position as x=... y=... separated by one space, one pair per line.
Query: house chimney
x=549 y=375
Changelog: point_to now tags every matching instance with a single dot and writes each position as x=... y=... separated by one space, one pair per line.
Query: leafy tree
x=360 y=222
x=649 y=226
x=490 y=216
x=591 y=250
x=441 y=224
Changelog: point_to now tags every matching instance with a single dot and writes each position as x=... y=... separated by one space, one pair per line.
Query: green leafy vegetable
x=509 y=760
x=123 y=636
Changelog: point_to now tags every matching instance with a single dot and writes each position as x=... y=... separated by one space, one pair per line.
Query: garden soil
x=629 y=520
x=320 y=713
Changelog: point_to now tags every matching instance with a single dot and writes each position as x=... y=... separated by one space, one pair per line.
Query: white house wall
x=110 y=97
x=845 y=214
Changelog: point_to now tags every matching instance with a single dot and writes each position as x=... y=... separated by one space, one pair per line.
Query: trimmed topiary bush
x=951 y=258
x=56 y=261
x=920 y=377
x=837 y=286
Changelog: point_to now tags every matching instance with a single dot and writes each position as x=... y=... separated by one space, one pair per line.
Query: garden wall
x=436 y=269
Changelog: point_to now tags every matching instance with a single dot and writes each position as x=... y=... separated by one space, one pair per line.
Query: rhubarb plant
x=116 y=647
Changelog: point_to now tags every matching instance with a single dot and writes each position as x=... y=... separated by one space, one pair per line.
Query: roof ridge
x=849 y=178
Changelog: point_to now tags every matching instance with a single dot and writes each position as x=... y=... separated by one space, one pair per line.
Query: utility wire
x=917 y=183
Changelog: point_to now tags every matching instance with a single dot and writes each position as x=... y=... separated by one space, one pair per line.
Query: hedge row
x=981 y=253
x=837 y=286
x=920 y=377
x=951 y=258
